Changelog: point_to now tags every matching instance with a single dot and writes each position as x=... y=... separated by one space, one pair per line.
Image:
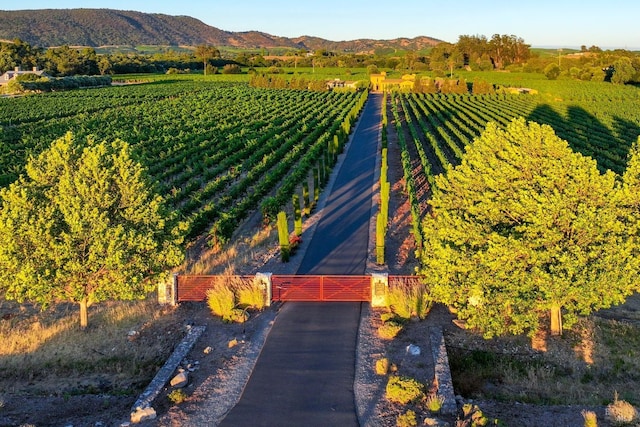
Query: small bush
x=231 y=69
x=407 y=419
x=177 y=396
x=221 y=301
x=472 y=416
x=250 y=294
x=237 y=315
x=410 y=298
x=385 y=317
x=389 y=330
x=404 y=390
x=382 y=366
x=590 y=418
x=620 y=412
x=434 y=403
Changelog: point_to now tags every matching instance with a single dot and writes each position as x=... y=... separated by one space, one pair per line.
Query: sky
x=541 y=23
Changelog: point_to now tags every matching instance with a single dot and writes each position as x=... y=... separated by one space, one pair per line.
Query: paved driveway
x=305 y=373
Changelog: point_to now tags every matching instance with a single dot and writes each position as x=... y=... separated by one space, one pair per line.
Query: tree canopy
x=206 y=53
x=524 y=227
x=84 y=226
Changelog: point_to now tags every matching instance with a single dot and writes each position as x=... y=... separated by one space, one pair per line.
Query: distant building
x=10 y=75
x=336 y=83
x=380 y=82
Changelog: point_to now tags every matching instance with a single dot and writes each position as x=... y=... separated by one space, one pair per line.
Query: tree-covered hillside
x=98 y=27
x=107 y=27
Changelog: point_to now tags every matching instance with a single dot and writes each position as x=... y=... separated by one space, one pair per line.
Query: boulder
x=143 y=414
x=180 y=380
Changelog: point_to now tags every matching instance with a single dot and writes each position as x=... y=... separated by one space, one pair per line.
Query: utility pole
x=559 y=53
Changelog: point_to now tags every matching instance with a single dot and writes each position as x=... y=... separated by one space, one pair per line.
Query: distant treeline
x=31 y=82
x=67 y=61
x=474 y=53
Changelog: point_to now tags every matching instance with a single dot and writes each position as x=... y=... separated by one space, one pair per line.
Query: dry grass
x=620 y=412
x=584 y=366
x=590 y=418
x=245 y=251
x=46 y=352
x=49 y=348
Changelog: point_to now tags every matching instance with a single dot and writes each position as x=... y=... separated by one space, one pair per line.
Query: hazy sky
x=541 y=23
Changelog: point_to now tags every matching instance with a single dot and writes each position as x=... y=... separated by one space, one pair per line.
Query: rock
x=413 y=350
x=180 y=380
x=143 y=414
x=133 y=335
x=434 y=422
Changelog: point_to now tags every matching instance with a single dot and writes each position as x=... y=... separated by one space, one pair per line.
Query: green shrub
x=404 y=390
x=407 y=419
x=237 y=315
x=231 y=69
x=380 y=232
x=472 y=416
x=297 y=215
x=389 y=330
x=231 y=296
x=283 y=236
x=434 y=403
x=250 y=294
x=410 y=298
x=385 y=317
x=177 y=396
x=221 y=301
x=382 y=366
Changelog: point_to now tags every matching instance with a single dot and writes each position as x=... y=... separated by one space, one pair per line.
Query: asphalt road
x=306 y=370
x=340 y=242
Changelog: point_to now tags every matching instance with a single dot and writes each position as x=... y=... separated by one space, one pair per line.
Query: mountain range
x=108 y=27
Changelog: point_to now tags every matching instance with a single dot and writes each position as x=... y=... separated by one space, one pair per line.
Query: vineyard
x=597 y=120
x=216 y=150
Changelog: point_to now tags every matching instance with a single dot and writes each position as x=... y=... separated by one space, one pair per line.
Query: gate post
x=265 y=280
x=173 y=298
x=379 y=289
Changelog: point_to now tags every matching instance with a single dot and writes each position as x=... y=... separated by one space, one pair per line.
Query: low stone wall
x=442 y=372
x=155 y=386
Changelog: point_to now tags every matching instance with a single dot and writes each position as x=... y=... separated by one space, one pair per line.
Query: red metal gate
x=194 y=288
x=320 y=288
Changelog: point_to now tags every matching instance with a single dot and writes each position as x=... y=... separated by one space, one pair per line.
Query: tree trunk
x=84 y=316
x=556 y=320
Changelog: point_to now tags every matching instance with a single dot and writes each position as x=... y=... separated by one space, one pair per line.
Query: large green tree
x=623 y=71
x=84 y=226
x=524 y=227
x=205 y=54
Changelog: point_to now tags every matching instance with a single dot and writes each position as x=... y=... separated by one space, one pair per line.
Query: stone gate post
x=265 y=280
x=379 y=289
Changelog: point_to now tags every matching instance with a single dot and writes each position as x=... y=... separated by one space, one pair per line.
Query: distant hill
x=107 y=27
